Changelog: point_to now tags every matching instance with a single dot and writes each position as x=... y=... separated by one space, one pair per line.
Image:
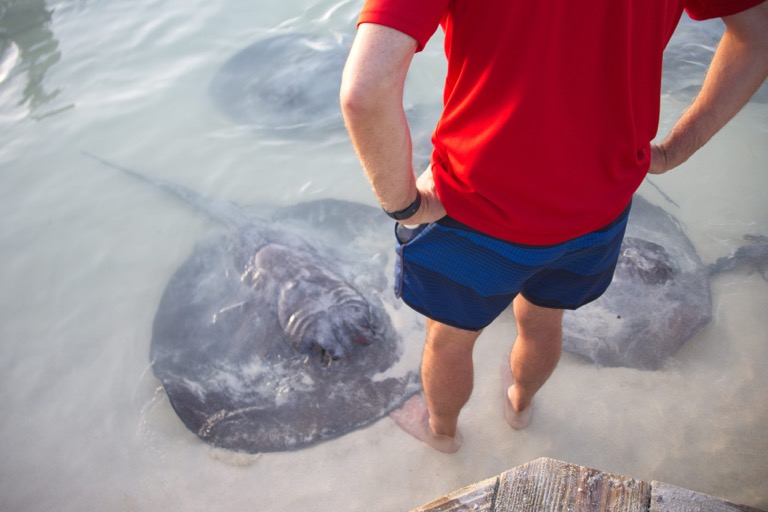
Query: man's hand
x=659 y=163
x=431 y=208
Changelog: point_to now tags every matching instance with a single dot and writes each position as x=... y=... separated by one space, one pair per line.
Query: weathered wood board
x=478 y=497
x=548 y=485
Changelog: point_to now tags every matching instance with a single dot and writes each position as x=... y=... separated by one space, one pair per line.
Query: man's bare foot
x=516 y=419
x=413 y=417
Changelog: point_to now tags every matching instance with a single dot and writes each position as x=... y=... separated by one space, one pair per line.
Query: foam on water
x=86 y=255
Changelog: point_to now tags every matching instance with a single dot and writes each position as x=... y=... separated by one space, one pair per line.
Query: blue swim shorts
x=458 y=276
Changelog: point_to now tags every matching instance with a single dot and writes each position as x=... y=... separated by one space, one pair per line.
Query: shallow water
x=86 y=254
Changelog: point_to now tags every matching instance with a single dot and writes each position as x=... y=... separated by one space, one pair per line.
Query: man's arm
x=738 y=68
x=372 y=104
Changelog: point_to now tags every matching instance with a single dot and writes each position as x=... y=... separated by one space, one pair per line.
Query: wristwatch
x=407 y=212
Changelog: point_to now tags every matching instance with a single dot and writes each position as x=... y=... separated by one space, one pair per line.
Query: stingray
x=660 y=295
x=274 y=334
x=283 y=83
x=287 y=85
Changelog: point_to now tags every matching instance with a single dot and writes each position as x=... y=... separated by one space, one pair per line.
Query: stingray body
x=288 y=85
x=284 y=83
x=273 y=334
x=659 y=298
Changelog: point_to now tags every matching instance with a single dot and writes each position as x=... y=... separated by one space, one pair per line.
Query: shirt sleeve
x=419 y=19
x=706 y=9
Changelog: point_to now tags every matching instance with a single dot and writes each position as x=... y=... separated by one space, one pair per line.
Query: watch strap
x=407 y=212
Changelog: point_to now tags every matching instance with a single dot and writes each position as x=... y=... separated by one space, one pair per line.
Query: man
x=549 y=112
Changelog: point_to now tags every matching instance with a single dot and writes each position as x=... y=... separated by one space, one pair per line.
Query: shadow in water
x=28 y=47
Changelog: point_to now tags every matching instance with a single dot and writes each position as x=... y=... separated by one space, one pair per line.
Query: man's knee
x=447 y=338
x=536 y=321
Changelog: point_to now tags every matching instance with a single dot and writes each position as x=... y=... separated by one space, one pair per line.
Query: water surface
x=86 y=255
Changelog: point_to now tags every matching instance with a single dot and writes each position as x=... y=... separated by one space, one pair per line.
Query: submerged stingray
x=659 y=298
x=273 y=335
x=288 y=85
x=283 y=83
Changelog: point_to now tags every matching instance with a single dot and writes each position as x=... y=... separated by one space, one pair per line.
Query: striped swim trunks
x=458 y=276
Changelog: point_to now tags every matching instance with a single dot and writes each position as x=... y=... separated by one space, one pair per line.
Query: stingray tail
x=753 y=254
x=223 y=212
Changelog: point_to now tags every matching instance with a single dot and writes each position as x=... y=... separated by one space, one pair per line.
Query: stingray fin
x=754 y=254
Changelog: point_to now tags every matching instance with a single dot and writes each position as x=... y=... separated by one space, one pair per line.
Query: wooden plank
x=550 y=485
x=478 y=497
x=668 y=498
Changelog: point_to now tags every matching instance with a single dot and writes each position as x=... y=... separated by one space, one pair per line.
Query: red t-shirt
x=550 y=106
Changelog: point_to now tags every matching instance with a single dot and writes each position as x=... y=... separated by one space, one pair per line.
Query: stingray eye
x=363 y=340
x=362 y=314
x=358 y=327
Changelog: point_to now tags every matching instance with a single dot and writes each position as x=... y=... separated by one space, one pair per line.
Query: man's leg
x=447 y=378
x=447 y=374
x=534 y=357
